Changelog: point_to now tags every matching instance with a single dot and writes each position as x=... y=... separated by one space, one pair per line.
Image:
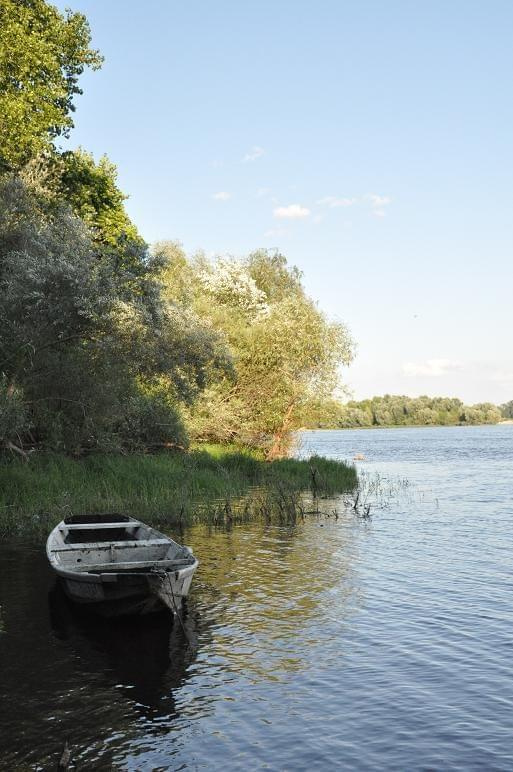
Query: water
x=350 y=643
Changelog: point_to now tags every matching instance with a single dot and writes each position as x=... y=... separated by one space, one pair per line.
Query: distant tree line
x=106 y=343
x=392 y=410
x=507 y=410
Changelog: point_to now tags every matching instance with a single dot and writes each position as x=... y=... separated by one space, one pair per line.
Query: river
x=342 y=642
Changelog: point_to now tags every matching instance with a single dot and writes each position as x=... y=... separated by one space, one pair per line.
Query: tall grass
x=167 y=488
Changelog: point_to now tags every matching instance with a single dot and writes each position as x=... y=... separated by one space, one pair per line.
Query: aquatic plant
x=210 y=483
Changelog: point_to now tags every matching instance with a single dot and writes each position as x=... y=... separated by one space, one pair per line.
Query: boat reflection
x=145 y=658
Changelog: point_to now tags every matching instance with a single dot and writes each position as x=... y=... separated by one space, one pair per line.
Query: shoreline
x=398 y=426
x=210 y=484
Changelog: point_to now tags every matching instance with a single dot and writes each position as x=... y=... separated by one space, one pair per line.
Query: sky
x=370 y=142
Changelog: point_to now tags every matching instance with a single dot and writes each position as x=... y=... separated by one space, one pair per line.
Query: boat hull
x=117 y=565
x=120 y=594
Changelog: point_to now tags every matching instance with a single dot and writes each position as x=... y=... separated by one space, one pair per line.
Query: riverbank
x=203 y=485
x=399 y=426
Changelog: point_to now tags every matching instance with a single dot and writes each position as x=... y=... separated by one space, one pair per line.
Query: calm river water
x=366 y=644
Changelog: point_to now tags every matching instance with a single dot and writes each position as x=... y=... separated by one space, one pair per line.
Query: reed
x=209 y=482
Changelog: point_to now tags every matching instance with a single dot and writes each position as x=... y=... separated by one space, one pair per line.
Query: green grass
x=210 y=483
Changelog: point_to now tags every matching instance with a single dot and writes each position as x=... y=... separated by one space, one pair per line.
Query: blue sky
x=371 y=142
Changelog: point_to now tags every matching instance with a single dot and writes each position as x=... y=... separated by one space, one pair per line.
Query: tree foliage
x=42 y=54
x=507 y=410
x=93 y=356
x=92 y=191
x=284 y=349
x=392 y=410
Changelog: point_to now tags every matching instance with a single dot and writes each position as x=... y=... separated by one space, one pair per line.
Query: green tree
x=177 y=273
x=507 y=410
x=93 y=359
x=14 y=419
x=293 y=355
x=272 y=275
x=285 y=351
x=93 y=193
x=42 y=55
x=399 y=410
x=92 y=353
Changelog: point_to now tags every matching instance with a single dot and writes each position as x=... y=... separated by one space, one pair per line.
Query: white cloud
x=433 y=368
x=318 y=218
x=333 y=202
x=379 y=201
x=221 y=196
x=255 y=153
x=291 y=212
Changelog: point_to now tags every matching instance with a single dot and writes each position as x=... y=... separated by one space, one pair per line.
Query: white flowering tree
x=228 y=282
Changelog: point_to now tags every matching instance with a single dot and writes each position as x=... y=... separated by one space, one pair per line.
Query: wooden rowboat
x=117 y=565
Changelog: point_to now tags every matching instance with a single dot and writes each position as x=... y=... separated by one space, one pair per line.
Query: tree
x=56 y=300
x=272 y=275
x=14 y=420
x=177 y=273
x=293 y=356
x=42 y=55
x=285 y=351
x=92 y=353
x=399 y=410
x=507 y=410
x=93 y=193
x=89 y=359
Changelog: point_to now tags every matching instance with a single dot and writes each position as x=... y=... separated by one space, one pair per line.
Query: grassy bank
x=170 y=488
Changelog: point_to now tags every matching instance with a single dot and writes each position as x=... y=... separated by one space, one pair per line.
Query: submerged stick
x=65 y=758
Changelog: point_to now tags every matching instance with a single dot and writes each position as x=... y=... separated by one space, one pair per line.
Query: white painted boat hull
x=119 y=594
x=118 y=576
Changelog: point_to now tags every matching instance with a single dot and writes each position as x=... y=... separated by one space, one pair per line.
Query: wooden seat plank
x=98 y=568
x=98 y=526
x=106 y=545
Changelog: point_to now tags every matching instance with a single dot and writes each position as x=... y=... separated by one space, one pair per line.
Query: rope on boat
x=165 y=576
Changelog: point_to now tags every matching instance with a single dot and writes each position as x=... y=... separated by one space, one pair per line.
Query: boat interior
x=103 y=543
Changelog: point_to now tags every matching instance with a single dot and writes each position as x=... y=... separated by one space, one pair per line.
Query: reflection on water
x=68 y=674
x=270 y=582
x=146 y=656
x=330 y=643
